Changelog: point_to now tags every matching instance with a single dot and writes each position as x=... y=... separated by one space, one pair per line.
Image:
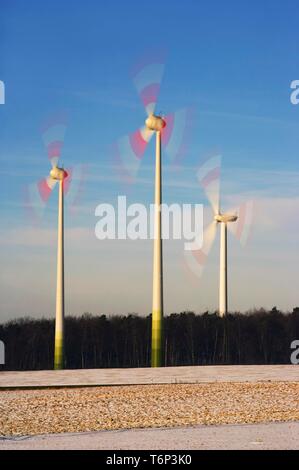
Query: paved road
x=252 y=436
x=161 y=375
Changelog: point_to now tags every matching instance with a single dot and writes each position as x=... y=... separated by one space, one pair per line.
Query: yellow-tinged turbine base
x=58 y=353
x=157 y=357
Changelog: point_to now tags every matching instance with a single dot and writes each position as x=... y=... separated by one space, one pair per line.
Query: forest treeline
x=257 y=337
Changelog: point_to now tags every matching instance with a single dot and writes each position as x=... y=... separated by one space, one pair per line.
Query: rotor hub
x=155 y=123
x=58 y=173
x=225 y=218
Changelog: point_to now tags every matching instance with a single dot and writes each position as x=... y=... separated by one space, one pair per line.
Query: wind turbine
x=70 y=183
x=171 y=132
x=239 y=222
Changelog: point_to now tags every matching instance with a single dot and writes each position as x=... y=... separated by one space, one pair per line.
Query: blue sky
x=232 y=61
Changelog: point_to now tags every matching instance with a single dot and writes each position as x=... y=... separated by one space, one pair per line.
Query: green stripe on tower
x=58 y=353
x=157 y=331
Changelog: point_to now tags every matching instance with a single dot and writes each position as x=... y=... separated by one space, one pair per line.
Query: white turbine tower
x=59 y=174
x=156 y=123
x=69 y=182
x=129 y=150
x=239 y=222
x=223 y=220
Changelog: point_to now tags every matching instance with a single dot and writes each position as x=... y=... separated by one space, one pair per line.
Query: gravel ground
x=31 y=412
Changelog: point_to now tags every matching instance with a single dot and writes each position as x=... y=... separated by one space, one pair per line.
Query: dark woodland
x=257 y=337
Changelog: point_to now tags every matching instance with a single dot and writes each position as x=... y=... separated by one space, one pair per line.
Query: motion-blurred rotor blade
x=73 y=184
x=209 y=178
x=242 y=227
x=53 y=133
x=37 y=195
x=147 y=76
x=196 y=259
x=128 y=152
x=175 y=134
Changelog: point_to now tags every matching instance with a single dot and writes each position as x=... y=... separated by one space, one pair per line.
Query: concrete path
x=163 y=375
x=245 y=436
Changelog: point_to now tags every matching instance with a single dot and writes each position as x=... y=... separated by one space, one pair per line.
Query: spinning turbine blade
x=175 y=134
x=37 y=195
x=73 y=184
x=128 y=152
x=242 y=228
x=53 y=133
x=209 y=178
x=196 y=259
x=147 y=76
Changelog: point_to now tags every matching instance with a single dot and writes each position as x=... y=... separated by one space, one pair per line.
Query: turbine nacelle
x=155 y=123
x=225 y=218
x=58 y=173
